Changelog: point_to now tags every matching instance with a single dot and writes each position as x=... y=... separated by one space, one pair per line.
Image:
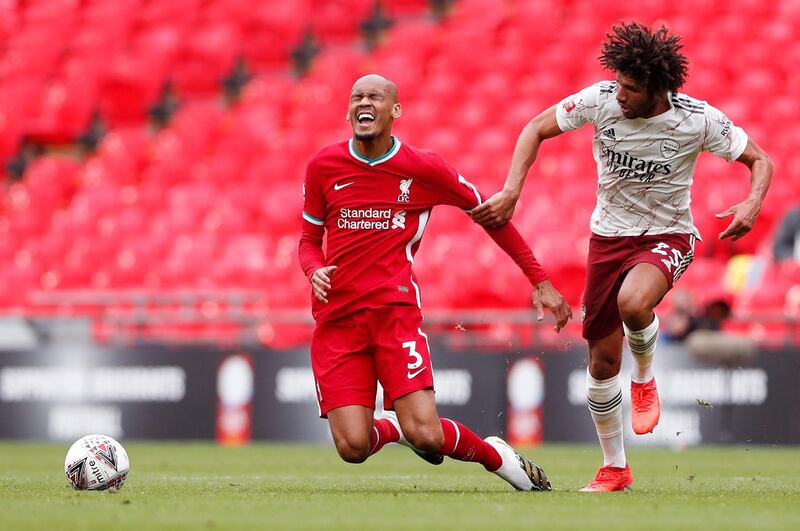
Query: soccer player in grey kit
x=647 y=137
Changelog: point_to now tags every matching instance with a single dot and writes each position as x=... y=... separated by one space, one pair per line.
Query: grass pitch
x=267 y=486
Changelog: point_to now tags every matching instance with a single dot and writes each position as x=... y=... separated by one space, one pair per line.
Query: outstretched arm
x=745 y=213
x=544 y=294
x=499 y=208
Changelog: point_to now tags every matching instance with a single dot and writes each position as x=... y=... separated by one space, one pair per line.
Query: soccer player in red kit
x=373 y=195
x=647 y=137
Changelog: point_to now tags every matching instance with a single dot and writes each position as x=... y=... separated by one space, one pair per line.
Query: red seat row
x=211 y=201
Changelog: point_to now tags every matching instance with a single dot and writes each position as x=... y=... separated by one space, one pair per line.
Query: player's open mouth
x=365 y=118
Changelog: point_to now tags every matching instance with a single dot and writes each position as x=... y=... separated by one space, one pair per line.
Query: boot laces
x=643 y=398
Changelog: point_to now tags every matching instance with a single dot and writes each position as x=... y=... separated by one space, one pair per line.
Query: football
x=96 y=462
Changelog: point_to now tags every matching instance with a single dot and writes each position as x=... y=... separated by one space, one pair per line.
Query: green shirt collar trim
x=383 y=158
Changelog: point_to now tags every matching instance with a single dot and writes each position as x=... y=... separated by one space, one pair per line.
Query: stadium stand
x=196 y=212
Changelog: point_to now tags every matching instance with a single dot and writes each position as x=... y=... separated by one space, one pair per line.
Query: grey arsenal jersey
x=645 y=166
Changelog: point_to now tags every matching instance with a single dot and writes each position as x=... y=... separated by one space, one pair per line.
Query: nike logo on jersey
x=412 y=375
x=338 y=186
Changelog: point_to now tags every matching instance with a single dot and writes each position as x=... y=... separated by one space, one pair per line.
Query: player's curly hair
x=651 y=58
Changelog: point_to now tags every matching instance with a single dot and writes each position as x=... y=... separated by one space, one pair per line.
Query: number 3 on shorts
x=415 y=359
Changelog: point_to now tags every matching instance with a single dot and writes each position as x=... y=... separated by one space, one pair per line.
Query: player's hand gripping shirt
x=375 y=212
x=645 y=166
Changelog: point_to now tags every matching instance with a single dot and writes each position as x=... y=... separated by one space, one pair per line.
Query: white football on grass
x=96 y=462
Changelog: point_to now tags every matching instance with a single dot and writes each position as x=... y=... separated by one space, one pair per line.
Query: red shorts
x=385 y=344
x=608 y=262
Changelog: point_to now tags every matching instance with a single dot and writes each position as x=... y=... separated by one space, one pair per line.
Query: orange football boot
x=610 y=479
x=645 y=409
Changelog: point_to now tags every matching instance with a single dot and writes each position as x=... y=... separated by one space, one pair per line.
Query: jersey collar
x=665 y=113
x=383 y=158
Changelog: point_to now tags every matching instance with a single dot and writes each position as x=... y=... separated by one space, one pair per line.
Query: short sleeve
x=451 y=188
x=576 y=110
x=313 y=197
x=722 y=137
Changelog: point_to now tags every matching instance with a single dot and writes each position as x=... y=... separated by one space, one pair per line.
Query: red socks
x=383 y=433
x=463 y=444
x=459 y=443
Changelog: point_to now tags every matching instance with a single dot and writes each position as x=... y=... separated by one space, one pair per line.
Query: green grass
x=266 y=486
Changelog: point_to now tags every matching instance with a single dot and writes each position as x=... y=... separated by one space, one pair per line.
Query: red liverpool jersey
x=375 y=212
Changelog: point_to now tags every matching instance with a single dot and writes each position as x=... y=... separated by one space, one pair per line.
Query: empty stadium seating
x=210 y=202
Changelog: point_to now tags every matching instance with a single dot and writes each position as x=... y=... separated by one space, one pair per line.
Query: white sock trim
x=603 y=396
x=643 y=342
x=605 y=404
x=391 y=416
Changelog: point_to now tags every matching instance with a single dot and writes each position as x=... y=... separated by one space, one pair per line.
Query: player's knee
x=634 y=306
x=427 y=437
x=604 y=367
x=605 y=361
x=352 y=451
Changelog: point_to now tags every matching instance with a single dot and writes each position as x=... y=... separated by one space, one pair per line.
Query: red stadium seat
x=65 y=111
x=339 y=21
x=208 y=56
x=406 y=8
x=174 y=11
x=272 y=29
x=31 y=55
x=198 y=125
x=9 y=21
x=121 y=155
x=52 y=181
x=11 y=129
x=49 y=10
x=133 y=84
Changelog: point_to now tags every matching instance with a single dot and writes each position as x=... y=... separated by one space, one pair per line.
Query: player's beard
x=365 y=137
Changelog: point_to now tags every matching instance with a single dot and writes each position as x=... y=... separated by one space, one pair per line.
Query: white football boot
x=518 y=469
x=434 y=459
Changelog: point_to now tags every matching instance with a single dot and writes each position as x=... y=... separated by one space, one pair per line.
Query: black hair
x=651 y=58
